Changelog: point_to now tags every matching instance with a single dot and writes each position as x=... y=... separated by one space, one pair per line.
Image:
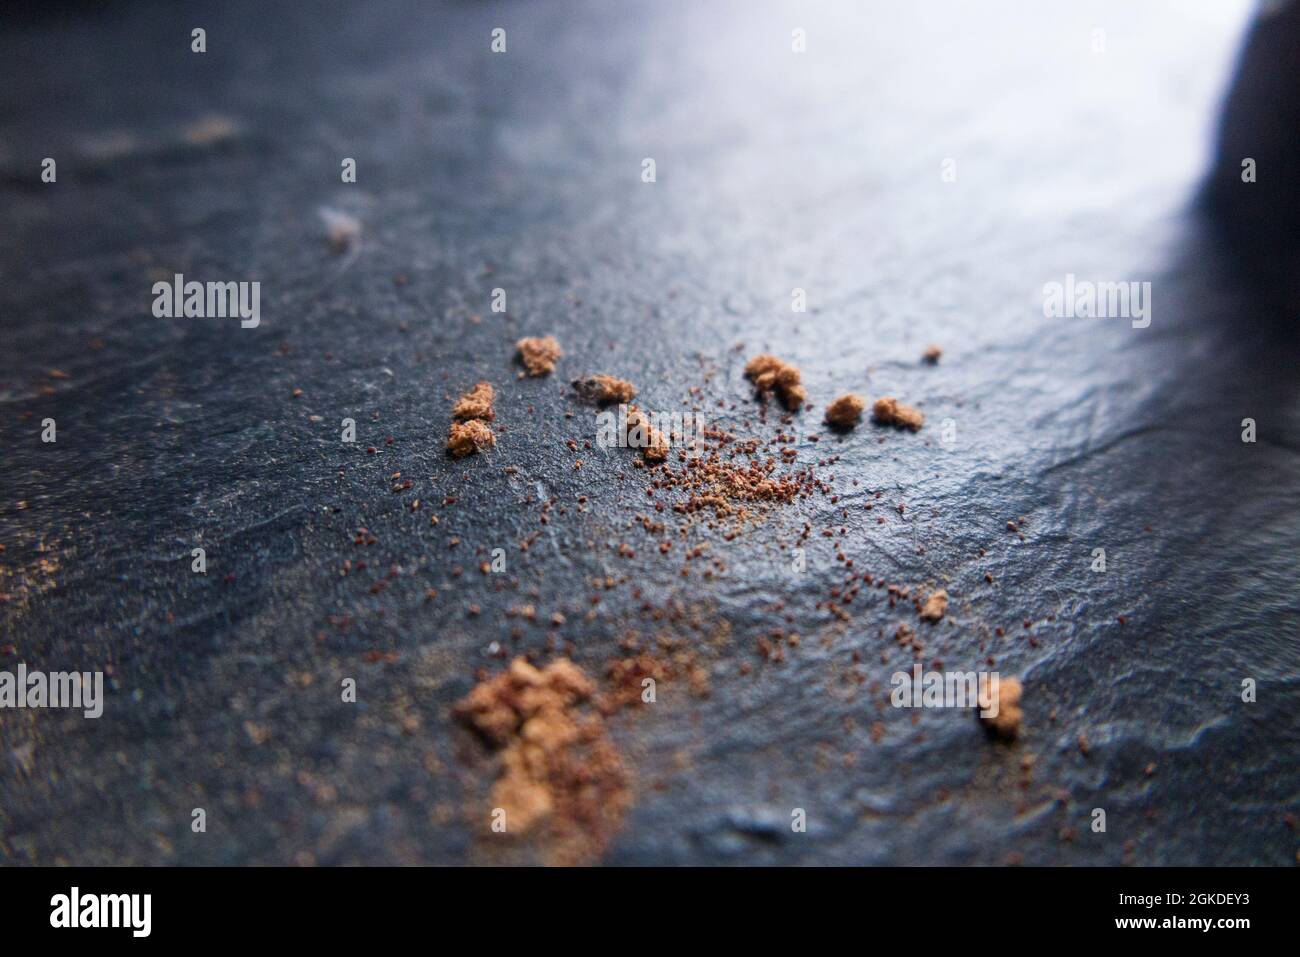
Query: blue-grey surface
x=1076 y=152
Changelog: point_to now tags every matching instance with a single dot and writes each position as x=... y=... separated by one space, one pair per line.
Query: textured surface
x=522 y=171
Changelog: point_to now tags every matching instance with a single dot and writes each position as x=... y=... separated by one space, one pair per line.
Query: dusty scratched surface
x=522 y=171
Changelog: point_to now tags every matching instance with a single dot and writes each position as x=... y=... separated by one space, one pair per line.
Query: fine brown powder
x=562 y=782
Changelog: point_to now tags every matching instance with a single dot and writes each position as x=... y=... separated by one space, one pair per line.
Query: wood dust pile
x=561 y=780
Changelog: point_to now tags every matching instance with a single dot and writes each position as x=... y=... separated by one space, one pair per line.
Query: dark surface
x=775 y=170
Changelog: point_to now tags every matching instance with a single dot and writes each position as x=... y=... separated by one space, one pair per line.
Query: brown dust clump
x=641 y=434
x=935 y=606
x=604 y=389
x=770 y=374
x=846 y=411
x=889 y=411
x=466 y=438
x=470 y=432
x=562 y=782
x=1006 y=723
x=476 y=404
x=539 y=355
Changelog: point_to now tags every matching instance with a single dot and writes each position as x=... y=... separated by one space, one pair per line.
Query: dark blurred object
x=1261 y=122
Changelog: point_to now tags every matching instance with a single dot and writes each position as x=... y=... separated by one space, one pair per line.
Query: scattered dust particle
x=539 y=355
x=846 y=411
x=604 y=389
x=1006 y=723
x=931 y=355
x=562 y=782
x=888 y=411
x=476 y=404
x=770 y=374
x=935 y=606
x=628 y=677
x=468 y=437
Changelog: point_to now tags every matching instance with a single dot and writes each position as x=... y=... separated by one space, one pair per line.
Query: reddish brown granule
x=770 y=374
x=1006 y=723
x=644 y=436
x=846 y=411
x=728 y=488
x=561 y=782
x=627 y=677
x=931 y=355
x=889 y=411
x=476 y=404
x=604 y=389
x=468 y=437
x=935 y=606
x=539 y=355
